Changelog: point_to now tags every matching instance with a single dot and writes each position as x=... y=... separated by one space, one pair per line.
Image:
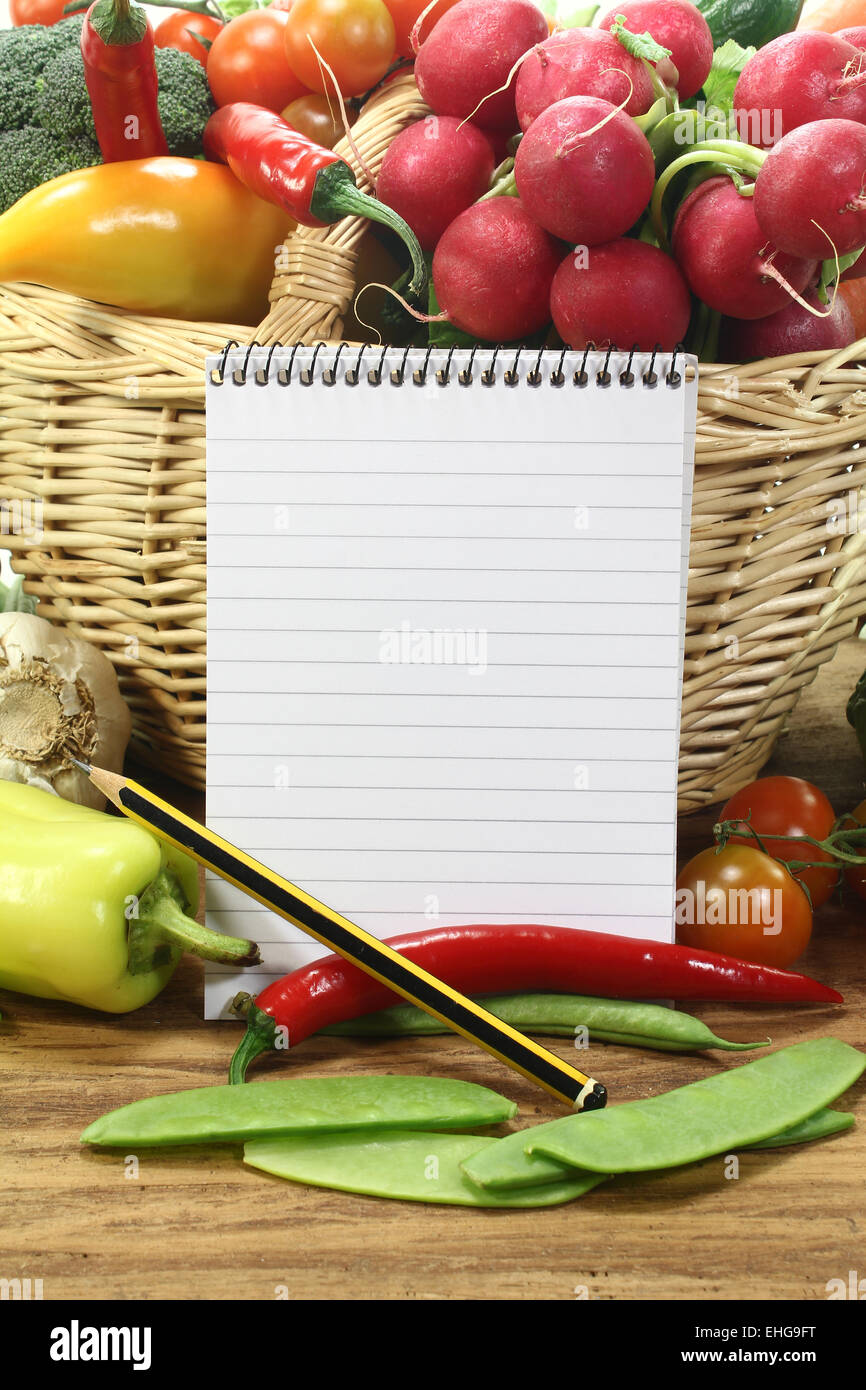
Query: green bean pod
x=560 y=1015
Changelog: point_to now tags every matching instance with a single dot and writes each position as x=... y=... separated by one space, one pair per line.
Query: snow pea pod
x=508 y=1166
x=232 y=1114
x=707 y=1117
x=411 y=1167
x=818 y=1126
x=558 y=1015
x=719 y=1113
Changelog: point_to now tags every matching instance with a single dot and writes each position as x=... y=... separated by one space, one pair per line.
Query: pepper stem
x=336 y=195
x=260 y=1037
x=118 y=22
x=161 y=930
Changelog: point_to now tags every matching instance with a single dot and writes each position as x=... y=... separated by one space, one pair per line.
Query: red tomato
x=248 y=62
x=319 y=118
x=405 y=13
x=179 y=31
x=742 y=903
x=855 y=877
x=38 y=11
x=355 y=37
x=788 y=806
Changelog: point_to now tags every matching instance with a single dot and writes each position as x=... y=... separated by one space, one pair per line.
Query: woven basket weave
x=102 y=420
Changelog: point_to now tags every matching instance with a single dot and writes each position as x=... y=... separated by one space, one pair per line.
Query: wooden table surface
x=198 y=1225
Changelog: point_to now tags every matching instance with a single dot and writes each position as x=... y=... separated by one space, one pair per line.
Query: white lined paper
x=444 y=667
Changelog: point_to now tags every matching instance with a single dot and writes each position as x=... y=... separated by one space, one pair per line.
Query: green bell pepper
x=93 y=907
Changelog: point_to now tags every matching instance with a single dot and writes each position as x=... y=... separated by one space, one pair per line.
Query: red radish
x=811 y=193
x=677 y=25
x=624 y=293
x=584 y=170
x=581 y=63
x=493 y=269
x=727 y=260
x=855 y=36
x=793 y=329
x=798 y=78
x=469 y=55
x=432 y=171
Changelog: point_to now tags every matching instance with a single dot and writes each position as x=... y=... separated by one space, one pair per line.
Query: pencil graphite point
x=85 y=767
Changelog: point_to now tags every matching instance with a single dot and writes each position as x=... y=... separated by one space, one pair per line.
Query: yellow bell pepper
x=176 y=237
x=93 y=907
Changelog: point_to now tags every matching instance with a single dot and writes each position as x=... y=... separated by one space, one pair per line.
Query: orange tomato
x=742 y=903
x=354 y=37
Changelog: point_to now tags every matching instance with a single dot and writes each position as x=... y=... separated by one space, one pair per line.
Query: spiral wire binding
x=238 y=376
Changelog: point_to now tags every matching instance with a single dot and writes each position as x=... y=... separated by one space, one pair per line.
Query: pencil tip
x=85 y=767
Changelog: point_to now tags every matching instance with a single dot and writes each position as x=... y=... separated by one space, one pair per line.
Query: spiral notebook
x=446 y=615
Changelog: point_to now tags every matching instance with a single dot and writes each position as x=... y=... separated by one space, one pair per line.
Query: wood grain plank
x=198 y=1225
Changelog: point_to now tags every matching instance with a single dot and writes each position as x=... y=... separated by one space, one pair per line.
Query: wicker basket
x=102 y=421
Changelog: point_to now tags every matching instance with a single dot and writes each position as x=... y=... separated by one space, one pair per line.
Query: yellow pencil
x=391 y=968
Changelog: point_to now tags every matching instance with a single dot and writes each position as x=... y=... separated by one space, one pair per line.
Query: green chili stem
x=337 y=195
x=118 y=22
x=260 y=1037
x=162 y=929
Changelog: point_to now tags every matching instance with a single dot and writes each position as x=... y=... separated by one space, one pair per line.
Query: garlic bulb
x=58 y=696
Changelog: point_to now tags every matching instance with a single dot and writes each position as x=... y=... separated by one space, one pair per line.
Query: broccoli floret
x=63 y=106
x=185 y=100
x=18 y=93
x=24 y=54
x=32 y=156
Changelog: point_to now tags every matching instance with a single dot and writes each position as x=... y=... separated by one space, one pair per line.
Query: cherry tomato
x=855 y=877
x=179 y=31
x=319 y=118
x=46 y=12
x=405 y=13
x=742 y=903
x=788 y=806
x=247 y=62
x=355 y=37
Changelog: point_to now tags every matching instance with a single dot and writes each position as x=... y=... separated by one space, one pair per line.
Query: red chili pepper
x=120 y=72
x=501 y=959
x=312 y=184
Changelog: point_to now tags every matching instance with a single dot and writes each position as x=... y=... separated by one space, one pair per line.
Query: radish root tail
x=389 y=289
x=572 y=143
x=504 y=88
x=325 y=67
x=767 y=268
